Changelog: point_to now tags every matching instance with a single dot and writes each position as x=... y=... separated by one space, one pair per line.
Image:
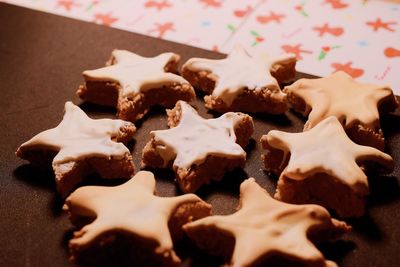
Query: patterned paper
x=361 y=38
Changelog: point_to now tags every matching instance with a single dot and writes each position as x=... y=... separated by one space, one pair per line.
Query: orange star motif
x=336 y=4
x=67 y=4
x=162 y=29
x=263 y=227
x=335 y=31
x=378 y=24
x=271 y=17
x=104 y=19
x=211 y=3
x=158 y=5
x=295 y=49
x=353 y=72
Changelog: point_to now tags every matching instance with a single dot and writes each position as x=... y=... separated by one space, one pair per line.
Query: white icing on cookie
x=239 y=71
x=263 y=227
x=195 y=138
x=77 y=136
x=136 y=73
x=325 y=149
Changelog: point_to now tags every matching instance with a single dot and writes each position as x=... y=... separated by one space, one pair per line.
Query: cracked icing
x=239 y=71
x=136 y=73
x=78 y=136
x=263 y=227
x=194 y=138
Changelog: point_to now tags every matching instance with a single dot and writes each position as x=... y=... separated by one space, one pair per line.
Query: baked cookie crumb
x=199 y=150
x=79 y=146
x=134 y=84
x=264 y=229
x=356 y=105
x=241 y=82
x=127 y=225
x=322 y=166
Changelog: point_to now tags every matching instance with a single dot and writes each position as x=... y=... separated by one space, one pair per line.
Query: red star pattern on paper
x=240 y=13
x=159 y=5
x=336 y=4
x=353 y=72
x=271 y=17
x=295 y=49
x=211 y=3
x=392 y=52
x=162 y=28
x=104 y=18
x=335 y=31
x=67 y=4
x=378 y=24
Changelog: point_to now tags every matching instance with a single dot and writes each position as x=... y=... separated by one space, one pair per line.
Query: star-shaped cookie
x=322 y=166
x=356 y=105
x=131 y=214
x=79 y=146
x=134 y=84
x=263 y=228
x=199 y=149
x=241 y=82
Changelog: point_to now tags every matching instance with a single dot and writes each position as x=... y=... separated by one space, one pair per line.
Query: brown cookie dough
x=79 y=146
x=133 y=84
x=198 y=149
x=127 y=225
x=322 y=166
x=241 y=82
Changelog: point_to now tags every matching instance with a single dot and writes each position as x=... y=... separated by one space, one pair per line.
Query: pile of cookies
x=324 y=167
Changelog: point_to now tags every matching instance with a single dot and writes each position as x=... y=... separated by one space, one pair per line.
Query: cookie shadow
x=366 y=227
x=98 y=111
x=390 y=124
x=278 y=120
x=250 y=148
x=383 y=190
x=42 y=179
x=192 y=256
x=337 y=250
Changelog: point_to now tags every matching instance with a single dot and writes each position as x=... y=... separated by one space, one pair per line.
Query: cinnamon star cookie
x=322 y=166
x=264 y=229
x=199 y=149
x=127 y=225
x=134 y=84
x=241 y=82
x=79 y=146
x=356 y=105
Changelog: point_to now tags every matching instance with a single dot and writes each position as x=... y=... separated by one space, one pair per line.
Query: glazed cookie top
x=326 y=149
x=131 y=207
x=194 y=138
x=271 y=227
x=136 y=73
x=341 y=96
x=239 y=71
x=78 y=136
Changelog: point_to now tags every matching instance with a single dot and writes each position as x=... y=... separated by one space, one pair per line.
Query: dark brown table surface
x=41 y=60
